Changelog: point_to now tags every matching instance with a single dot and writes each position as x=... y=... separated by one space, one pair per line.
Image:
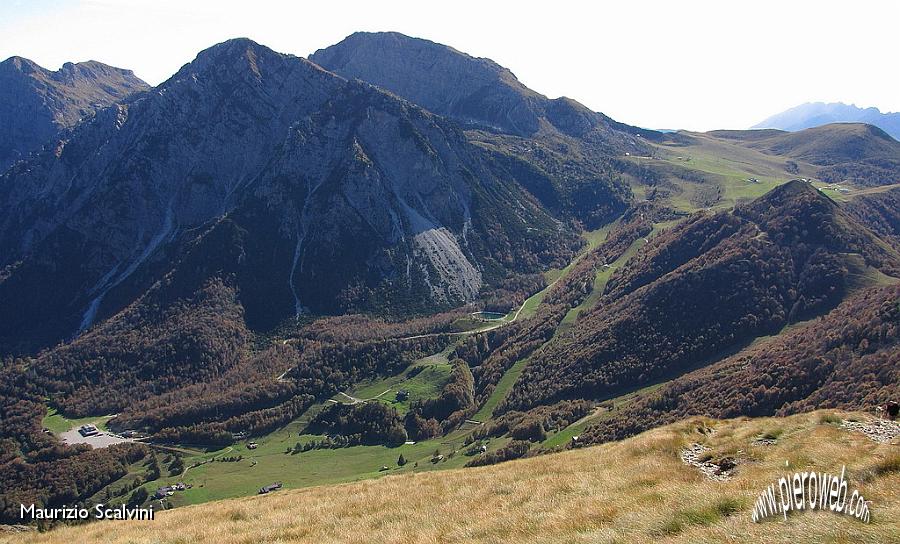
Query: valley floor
x=637 y=490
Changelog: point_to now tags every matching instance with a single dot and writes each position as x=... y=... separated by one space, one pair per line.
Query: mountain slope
x=849 y=358
x=702 y=288
x=336 y=196
x=638 y=490
x=824 y=145
x=559 y=147
x=36 y=104
x=813 y=114
x=880 y=213
x=476 y=92
x=846 y=152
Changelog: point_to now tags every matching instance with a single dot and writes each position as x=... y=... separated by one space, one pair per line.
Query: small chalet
x=270 y=488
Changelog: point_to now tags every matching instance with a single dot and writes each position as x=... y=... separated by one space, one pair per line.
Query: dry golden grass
x=634 y=491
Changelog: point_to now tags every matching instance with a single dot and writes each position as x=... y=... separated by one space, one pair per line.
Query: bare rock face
x=309 y=191
x=564 y=151
x=36 y=104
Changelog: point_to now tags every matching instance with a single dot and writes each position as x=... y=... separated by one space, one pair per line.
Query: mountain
x=705 y=287
x=476 y=92
x=639 y=490
x=814 y=114
x=824 y=145
x=880 y=213
x=560 y=149
x=36 y=103
x=855 y=152
x=846 y=358
x=329 y=195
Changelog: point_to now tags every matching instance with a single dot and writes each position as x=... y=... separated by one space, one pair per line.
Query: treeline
x=513 y=450
x=848 y=359
x=670 y=249
x=578 y=284
x=865 y=173
x=491 y=354
x=367 y=423
x=248 y=386
x=253 y=400
x=430 y=417
x=64 y=480
x=34 y=466
x=534 y=424
x=359 y=328
x=511 y=292
x=798 y=216
x=880 y=213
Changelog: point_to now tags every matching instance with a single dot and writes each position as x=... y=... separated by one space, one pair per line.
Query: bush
x=139 y=496
x=513 y=450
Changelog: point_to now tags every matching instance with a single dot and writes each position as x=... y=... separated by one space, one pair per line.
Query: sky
x=695 y=65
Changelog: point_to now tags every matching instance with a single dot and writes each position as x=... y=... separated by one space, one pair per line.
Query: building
x=164 y=492
x=270 y=488
x=88 y=430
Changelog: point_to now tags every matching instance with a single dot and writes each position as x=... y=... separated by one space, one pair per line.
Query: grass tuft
x=829 y=419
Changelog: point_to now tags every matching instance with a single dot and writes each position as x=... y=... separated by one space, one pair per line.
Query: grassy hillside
x=824 y=145
x=719 y=169
x=638 y=490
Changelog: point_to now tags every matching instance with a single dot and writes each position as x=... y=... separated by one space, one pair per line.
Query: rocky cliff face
x=328 y=195
x=561 y=147
x=36 y=104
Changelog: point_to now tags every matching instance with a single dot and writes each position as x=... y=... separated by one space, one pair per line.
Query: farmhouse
x=164 y=492
x=270 y=488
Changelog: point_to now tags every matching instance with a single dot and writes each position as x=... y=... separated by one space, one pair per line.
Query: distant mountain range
x=814 y=114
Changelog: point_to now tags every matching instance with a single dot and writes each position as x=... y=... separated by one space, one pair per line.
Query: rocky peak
x=475 y=92
x=36 y=103
x=19 y=64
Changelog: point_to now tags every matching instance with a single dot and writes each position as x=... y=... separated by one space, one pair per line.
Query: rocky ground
x=882 y=431
x=696 y=455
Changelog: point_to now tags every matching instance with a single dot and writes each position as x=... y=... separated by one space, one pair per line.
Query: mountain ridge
x=139 y=178
x=36 y=103
x=477 y=92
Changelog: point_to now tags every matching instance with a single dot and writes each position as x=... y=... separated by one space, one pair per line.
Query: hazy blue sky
x=697 y=65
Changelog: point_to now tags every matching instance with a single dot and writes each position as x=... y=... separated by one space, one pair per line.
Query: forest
x=708 y=286
x=849 y=359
